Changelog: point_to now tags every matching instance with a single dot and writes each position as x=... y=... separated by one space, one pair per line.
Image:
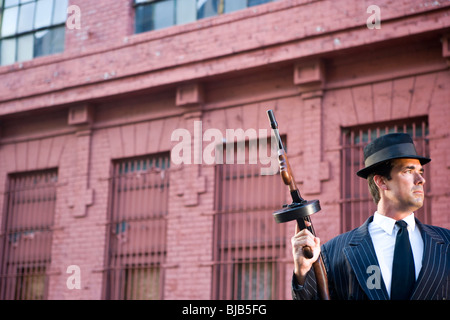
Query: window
x=137 y=228
x=31 y=28
x=249 y=246
x=357 y=204
x=26 y=236
x=158 y=14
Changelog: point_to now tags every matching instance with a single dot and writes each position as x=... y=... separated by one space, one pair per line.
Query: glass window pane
x=252 y=3
x=43 y=13
x=8 y=51
x=9 y=3
x=60 y=11
x=58 y=37
x=42 y=43
x=143 y=18
x=49 y=41
x=163 y=14
x=186 y=11
x=206 y=8
x=154 y=16
x=234 y=5
x=25 y=47
x=26 y=15
x=9 y=21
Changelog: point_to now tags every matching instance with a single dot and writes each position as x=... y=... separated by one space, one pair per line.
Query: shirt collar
x=387 y=224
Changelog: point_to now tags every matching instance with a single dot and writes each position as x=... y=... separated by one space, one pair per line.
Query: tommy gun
x=300 y=210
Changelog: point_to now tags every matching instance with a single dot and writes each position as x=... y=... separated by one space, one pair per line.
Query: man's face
x=405 y=189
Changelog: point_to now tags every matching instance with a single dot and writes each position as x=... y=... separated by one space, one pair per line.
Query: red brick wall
x=315 y=63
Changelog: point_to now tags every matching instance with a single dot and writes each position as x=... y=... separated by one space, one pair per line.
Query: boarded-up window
x=26 y=237
x=357 y=203
x=249 y=246
x=137 y=228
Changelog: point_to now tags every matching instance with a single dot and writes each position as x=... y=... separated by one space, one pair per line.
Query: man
x=392 y=255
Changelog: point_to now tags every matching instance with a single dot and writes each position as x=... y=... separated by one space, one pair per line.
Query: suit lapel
x=360 y=254
x=433 y=269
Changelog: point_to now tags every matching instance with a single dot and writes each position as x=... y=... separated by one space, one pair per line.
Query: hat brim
x=365 y=172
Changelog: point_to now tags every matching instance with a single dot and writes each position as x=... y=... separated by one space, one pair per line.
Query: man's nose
x=419 y=179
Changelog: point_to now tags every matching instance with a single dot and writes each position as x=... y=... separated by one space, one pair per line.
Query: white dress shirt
x=383 y=232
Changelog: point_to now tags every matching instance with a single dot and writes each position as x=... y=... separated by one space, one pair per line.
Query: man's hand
x=302 y=264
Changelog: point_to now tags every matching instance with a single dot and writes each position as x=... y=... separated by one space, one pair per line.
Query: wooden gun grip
x=318 y=266
x=321 y=279
x=307 y=251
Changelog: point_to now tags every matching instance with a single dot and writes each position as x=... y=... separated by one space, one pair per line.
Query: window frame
x=16 y=36
x=247 y=242
x=132 y=181
x=220 y=10
x=27 y=234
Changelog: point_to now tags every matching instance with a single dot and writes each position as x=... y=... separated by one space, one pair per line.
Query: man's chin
x=418 y=204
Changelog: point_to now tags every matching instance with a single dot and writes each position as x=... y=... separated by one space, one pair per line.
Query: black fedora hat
x=387 y=147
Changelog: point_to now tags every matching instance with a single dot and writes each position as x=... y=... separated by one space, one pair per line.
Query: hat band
x=395 y=151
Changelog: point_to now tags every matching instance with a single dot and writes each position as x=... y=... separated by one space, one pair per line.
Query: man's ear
x=380 y=181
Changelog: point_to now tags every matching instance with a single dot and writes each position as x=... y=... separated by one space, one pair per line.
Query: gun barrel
x=273 y=122
x=274 y=126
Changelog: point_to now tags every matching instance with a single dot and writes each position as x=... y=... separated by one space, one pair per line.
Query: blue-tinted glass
x=252 y=3
x=42 y=43
x=7 y=51
x=186 y=11
x=58 y=38
x=206 y=8
x=49 y=41
x=44 y=9
x=60 y=11
x=163 y=14
x=25 y=47
x=9 y=23
x=154 y=16
x=144 y=18
x=234 y=5
x=26 y=15
x=9 y=3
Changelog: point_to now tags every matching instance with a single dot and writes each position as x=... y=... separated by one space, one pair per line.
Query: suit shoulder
x=442 y=232
x=340 y=240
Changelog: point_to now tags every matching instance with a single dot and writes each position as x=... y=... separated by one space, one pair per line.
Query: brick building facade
x=87 y=172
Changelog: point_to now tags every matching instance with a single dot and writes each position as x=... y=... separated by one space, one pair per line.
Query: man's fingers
x=304 y=241
x=303 y=232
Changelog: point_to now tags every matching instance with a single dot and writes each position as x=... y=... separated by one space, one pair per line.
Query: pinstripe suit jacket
x=348 y=256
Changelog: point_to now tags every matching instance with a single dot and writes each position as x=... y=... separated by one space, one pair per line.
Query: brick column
x=309 y=77
x=188 y=271
x=82 y=195
x=190 y=98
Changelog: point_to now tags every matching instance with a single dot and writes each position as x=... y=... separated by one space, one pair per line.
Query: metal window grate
x=357 y=204
x=26 y=236
x=249 y=247
x=137 y=228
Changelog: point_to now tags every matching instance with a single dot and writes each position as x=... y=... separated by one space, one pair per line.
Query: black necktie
x=403 y=271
